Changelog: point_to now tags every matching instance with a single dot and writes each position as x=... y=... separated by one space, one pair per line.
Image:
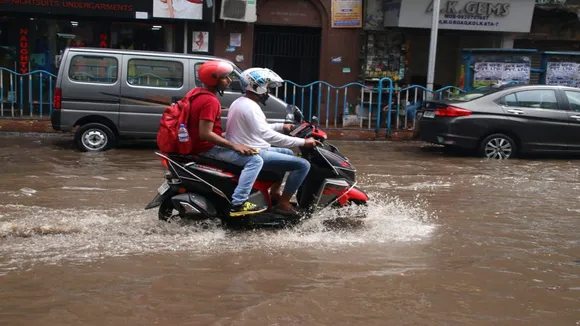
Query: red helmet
x=211 y=71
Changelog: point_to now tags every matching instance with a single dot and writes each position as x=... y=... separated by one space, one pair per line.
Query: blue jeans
x=283 y=160
x=252 y=165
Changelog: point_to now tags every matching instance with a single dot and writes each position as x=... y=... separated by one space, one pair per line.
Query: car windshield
x=474 y=94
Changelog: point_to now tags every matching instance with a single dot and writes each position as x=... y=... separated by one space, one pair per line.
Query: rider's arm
x=206 y=133
x=259 y=125
x=279 y=127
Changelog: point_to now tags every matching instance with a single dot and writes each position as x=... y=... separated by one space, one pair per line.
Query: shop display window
x=384 y=55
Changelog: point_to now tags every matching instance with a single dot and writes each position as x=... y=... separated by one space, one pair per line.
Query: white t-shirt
x=247 y=125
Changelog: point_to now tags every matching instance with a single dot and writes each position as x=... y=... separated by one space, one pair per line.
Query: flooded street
x=448 y=241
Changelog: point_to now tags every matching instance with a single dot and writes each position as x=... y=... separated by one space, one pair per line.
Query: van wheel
x=94 y=137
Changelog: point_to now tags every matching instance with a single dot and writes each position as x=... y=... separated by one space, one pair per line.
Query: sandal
x=287 y=212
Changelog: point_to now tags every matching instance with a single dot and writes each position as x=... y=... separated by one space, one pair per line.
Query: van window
x=155 y=73
x=94 y=69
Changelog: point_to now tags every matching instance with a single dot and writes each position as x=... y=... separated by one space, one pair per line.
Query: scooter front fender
x=354 y=195
x=357 y=194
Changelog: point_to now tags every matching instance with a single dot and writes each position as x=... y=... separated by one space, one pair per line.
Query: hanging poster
x=200 y=42
x=346 y=13
x=499 y=70
x=516 y=72
x=488 y=73
x=236 y=39
x=562 y=73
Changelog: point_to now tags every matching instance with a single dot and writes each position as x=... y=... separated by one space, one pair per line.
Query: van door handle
x=515 y=111
x=577 y=117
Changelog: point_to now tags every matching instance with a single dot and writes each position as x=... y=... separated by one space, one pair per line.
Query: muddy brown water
x=448 y=241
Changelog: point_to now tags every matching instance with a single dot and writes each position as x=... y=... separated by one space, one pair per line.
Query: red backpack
x=172 y=118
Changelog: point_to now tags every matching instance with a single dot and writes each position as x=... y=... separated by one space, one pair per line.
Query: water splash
x=31 y=234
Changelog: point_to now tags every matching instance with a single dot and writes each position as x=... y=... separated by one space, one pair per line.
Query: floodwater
x=448 y=241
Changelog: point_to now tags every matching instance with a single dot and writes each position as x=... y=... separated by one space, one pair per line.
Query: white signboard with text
x=563 y=74
x=490 y=73
x=489 y=15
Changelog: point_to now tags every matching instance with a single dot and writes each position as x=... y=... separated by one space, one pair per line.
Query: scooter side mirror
x=314 y=121
x=289 y=118
x=298 y=116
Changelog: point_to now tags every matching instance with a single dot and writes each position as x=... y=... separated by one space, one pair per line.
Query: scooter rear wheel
x=166 y=211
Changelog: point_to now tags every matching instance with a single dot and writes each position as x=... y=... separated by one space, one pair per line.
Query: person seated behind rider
x=205 y=116
x=247 y=124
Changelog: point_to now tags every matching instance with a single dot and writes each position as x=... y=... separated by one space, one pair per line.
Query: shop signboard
x=489 y=15
x=347 y=13
x=142 y=9
x=498 y=70
x=563 y=74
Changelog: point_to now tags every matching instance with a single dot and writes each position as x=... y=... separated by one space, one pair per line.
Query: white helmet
x=258 y=80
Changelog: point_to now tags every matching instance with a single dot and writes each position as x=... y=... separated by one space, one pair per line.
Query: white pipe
x=185 y=38
x=433 y=45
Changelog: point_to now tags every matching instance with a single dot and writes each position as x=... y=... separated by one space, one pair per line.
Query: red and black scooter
x=200 y=188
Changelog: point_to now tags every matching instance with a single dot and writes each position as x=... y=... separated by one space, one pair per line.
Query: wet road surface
x=448 y=241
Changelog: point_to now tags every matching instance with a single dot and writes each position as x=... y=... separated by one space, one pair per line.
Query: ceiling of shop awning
x=568 y=10
x=568 y=5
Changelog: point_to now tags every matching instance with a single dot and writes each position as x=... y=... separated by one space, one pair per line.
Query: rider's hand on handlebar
x=288 y=127
x=244 y=150
x=311 y=142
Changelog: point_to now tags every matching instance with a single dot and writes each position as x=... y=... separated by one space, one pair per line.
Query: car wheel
x=94 y=137
x=498 y=146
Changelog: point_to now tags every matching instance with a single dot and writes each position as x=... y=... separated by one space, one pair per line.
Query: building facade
x=296 y=39
x=33 y=33
x=338 y=41
x=398 y=35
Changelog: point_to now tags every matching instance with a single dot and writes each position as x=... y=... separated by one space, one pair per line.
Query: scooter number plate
x=163 y=188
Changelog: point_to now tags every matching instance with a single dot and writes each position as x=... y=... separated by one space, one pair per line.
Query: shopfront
x=405 y=27
x=34 y=33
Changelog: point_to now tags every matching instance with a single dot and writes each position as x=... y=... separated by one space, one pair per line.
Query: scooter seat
x=229 y=167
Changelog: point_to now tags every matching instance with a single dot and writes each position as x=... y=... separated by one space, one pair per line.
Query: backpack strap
x=185 y=103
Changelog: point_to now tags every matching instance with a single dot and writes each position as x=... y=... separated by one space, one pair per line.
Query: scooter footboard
x=194 y=204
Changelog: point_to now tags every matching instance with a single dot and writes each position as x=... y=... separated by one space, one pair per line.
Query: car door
x=573 y=99
x=150 y=84
x=538 y=119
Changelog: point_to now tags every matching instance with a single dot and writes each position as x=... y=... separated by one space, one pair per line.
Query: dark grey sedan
x=501 y=122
